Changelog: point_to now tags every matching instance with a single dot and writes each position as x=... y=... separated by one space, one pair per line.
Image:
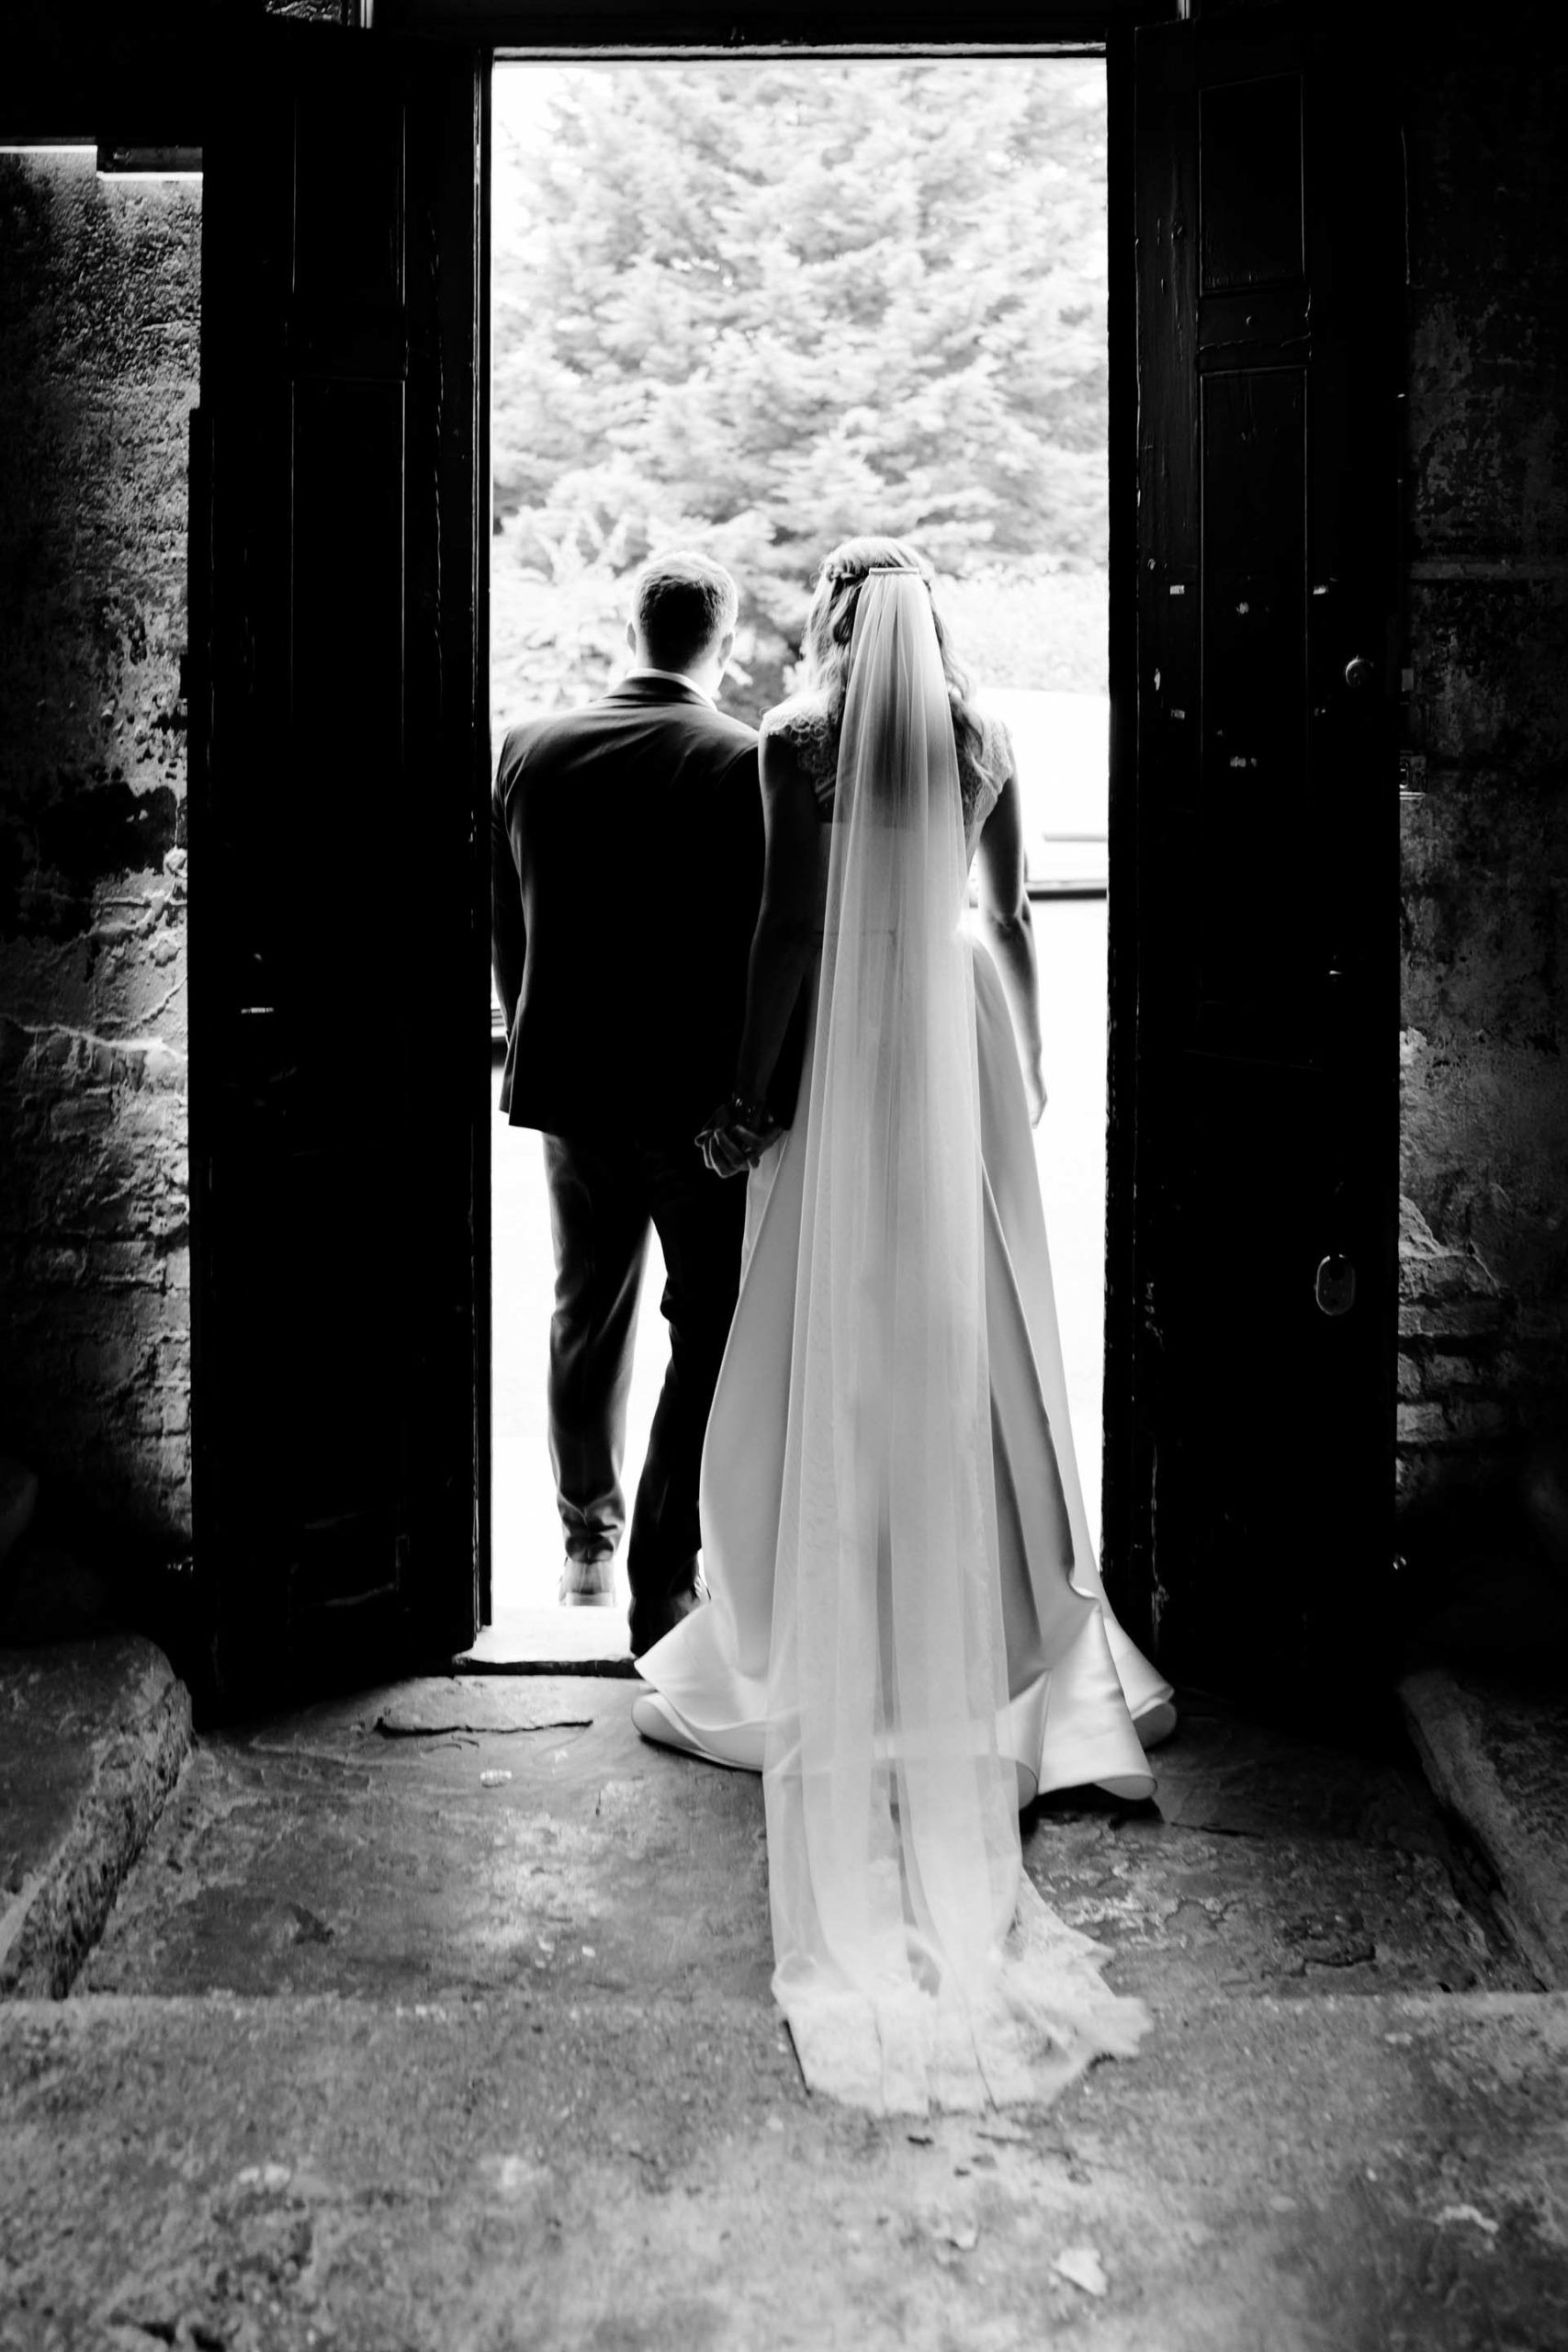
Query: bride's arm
x=1009 y=932
x=786 y=936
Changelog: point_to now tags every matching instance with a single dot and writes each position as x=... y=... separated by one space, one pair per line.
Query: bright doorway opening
x=755 y=308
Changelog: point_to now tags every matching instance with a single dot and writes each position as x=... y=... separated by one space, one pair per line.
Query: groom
x=626 y=863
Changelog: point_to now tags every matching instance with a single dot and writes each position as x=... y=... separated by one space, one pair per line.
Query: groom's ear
x=631 y=637
x=725 y=648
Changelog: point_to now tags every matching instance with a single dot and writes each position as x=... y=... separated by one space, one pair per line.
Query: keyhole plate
x=1336 y=1286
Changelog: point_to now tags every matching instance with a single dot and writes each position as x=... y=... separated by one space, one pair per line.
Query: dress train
x=1083 y=1702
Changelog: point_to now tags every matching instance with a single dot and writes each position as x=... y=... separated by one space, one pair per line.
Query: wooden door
x=339 y=985
x=1257 y=1126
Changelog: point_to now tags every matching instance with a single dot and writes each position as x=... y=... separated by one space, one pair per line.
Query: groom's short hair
x=683 y=603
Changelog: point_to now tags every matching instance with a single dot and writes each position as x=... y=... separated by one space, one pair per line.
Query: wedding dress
x=906 y=1635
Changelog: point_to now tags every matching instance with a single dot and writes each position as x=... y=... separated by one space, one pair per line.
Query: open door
x=1257 y=1429
x=339 y=961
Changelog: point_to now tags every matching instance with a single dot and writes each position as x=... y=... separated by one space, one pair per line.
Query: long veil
x=893 y=1841
x=913 y=1960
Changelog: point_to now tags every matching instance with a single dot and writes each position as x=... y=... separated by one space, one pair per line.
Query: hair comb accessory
x=864 y=571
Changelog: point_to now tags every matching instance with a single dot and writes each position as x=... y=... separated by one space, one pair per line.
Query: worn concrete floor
x=382 y=2050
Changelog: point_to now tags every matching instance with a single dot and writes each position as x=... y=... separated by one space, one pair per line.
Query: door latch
x=1336 y=1286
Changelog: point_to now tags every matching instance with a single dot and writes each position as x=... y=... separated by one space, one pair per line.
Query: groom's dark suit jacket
x=626 y=873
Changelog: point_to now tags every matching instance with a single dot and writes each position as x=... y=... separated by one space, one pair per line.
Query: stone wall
x=99 y=292
x=1483 y=1371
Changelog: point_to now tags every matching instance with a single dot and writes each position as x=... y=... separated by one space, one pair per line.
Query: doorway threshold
x=552 y=1640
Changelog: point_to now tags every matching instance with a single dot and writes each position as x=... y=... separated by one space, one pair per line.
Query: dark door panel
x=1263 y=1306
x=340 y=1048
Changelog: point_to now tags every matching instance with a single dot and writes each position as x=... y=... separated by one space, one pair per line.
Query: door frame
x=627 y=31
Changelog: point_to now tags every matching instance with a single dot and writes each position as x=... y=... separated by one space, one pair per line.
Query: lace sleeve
x=804 y=725
x=1000 y=759
x=981 y=779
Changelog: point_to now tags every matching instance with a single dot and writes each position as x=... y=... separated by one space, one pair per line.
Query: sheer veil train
x=894 y=1853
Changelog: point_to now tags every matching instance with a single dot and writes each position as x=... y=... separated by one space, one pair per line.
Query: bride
x=907 y=1634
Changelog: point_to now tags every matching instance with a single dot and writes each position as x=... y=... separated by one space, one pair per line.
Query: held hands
x=735 y=1137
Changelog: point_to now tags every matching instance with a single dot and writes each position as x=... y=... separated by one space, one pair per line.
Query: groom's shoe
x=588 y=1584
x=650 y=1625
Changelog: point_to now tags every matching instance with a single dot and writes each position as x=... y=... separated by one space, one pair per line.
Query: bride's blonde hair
x=831 y=628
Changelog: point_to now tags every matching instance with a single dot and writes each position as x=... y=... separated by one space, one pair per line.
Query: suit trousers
x=603 y=1197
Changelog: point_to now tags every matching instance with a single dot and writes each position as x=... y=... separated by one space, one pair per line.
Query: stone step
x=1496 y=1749
x=1324 y=2175
x=93 y=1735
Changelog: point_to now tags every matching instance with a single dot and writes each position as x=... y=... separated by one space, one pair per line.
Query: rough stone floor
x=438 y=2018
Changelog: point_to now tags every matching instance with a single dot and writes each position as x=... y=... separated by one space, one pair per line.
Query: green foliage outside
x=757 y=307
